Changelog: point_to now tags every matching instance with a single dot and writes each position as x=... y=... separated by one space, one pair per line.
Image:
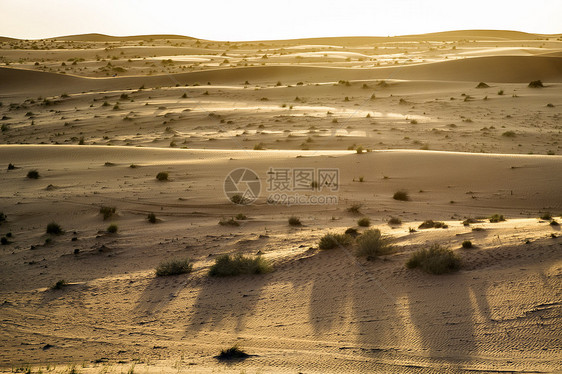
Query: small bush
x=259 y=147
x=509 y=134
x=536 y=84
x=294 y=221
x=554 y=223
x=352 y=232
x=359 y=150
x=500 y=92
x=3 y=217
x=107 y=211
x=371 y=244
x=228 y=222
x=497 y=218
x=162 y=176
x=4 y=241
x=364 y=222
x=401 y=195
x=546 y=216
x=54 y=228
x=330 y=241
x=435 y=260
x=112 y=229
x=241 y=217
x=151 y=217
x=429 y=224
x=11 y=166
x=467 y=244
x=232 y=353
x=174 y=267
x=394 y=221
x=33 y=174
x=227 y=265
x=482 y=85
x=354 y=208
x=59 y=285
x=238 y=199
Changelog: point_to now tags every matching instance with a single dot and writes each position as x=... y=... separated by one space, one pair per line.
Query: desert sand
x=99 y=117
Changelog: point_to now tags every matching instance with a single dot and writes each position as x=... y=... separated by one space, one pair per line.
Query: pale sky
x=262 y=19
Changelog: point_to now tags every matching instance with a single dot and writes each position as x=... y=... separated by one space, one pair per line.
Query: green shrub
x=232 y=353
x=352 y=232
x=162 y=176
x=401 y=195
x=151 y=217
x=429 y=224
x=33 y=174
x=371 y=244
x=54 y=228
x=107 y=211
x=294 y=221
x=496 y=218
x=467 y=244
x=112 y=229
x=330 y=241
x=364 y=222
x=435 y=260
x=174 y=267
x=227 y=265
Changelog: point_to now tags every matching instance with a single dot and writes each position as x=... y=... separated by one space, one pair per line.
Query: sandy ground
x=411 y=103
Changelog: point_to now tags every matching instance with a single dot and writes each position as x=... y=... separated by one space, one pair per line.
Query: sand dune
x=501 y=69
x=385 y=115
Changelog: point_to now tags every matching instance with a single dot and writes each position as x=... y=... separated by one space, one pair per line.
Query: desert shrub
x=3 y=217
x=546 y=216
x=151 y=218
x=33 y=174
x=554 y=223
x=258 y=147
x=228 y=222
x=294 y=221
x=401 y=195
x=112 y=229
x=467 y=244
x=227 y=265
x=536 y=84
x=174 y=267
x=500 y=92
x=354 y=208
x=496 y=218
x=241 y=216
x=54 y=228
x=429 y=224
x=61 y=283
x=364 y=222
x=394 y=221
x=232 y=353
x=509 y=134
x=162 y=176
x=4 y=241
x=359 y=150
x=482 y=85
x=371 y=244
x=107 y=211
x=238 y=199
x=330 y=241
x=352 y=232
x=11 y=166
x=435 y=260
